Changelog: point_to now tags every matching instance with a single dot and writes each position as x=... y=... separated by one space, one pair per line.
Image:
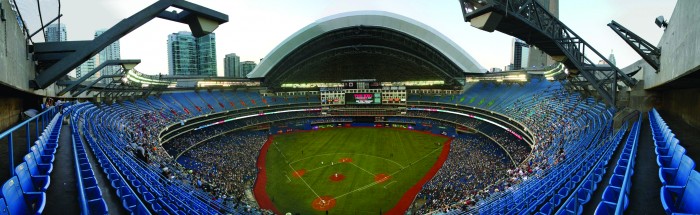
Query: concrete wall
x=685 y=103
x=10 y=109
x=680 y=45
x=16 y=67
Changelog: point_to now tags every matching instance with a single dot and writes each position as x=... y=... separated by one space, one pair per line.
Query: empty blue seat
x=677 y=176
x=616 y=180
x=612 y=195
x=546 y=208
x=668 y=148
x=19 y=202
x=3 y=207
x=41 y=157
x=29 y=183
x=671 y=161
x=35 y=168
x=605 y=208
x=682 y=199
x=98 y=207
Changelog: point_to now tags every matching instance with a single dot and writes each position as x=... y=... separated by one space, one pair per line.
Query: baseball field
x=347 y=170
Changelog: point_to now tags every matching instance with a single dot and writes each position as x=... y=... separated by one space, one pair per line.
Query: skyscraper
x=188 y=55
x=232 y=66
x=247 y=67
x=520 y=54
x=206 y=54
x=85 y=67
x=111 y=52
x=56 y=33
x=537 y=57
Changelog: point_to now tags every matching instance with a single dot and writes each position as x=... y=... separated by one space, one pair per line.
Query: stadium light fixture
x=661 y=22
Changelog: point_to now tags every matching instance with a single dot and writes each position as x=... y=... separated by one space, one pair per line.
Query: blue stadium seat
x=19 y=202
x=29 y=183
x=671 y=161
x=677 y=176
x=35 y=168
x=3 y=207
x=682 y=199
x=605 y=208
x=612 y=194
x=98 y=206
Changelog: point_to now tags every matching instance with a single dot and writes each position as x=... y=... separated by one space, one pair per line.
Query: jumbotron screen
x=363 y=98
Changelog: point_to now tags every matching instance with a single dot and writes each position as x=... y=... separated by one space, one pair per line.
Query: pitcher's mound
x=299 y=173
x=323 y=203
x=381 y=177
x=337 y=177
x=345 y=160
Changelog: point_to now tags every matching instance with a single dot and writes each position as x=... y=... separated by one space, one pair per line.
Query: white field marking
x=288 y=179
x=307 y=184
x=280 y=151
x=394 y=162
x=389 y=184
x=294 y=170
x=377 y=182
x=363 y=169
x=323 y=166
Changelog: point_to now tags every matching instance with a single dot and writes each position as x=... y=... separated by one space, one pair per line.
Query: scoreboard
x=363 y=92
x=363 y=98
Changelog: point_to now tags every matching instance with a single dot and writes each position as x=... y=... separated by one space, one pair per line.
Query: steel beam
x=92 y=72
x=648 y=51
x=529 y=21
x=81 y=90
x=200 y=19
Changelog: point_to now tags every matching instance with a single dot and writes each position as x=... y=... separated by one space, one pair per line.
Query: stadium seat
x=671 y=161
x=677 y=176
x=19 y=202
x=612 y=194
x=3 y=207
x=29 y=183
x=35 y=168
x=605 y=208
x=98 y=206
x=682 y=199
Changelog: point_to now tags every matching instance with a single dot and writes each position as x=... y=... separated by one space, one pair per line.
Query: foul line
x=389 y=184
x=377 y=182
x=398 y=164
x=294 y=170
x=280 y=151
x=307 y=184
x=363 y=169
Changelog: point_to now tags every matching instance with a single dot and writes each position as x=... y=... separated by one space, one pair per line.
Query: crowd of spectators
x=474 y=163
x=225 y=165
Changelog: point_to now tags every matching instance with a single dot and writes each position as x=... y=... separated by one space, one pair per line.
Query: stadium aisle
x=114 y=204
x=597 y=196
x=646 y=185
x=62 y=195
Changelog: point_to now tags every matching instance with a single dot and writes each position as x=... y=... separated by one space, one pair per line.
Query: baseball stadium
x=357 y=112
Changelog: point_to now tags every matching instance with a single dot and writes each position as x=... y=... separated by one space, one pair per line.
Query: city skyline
x=256 y=27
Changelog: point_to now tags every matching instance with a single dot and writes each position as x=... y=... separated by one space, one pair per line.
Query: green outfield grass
x=403 y=154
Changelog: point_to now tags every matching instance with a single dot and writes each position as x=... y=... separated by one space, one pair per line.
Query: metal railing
x=626 y=182
x=41 y=120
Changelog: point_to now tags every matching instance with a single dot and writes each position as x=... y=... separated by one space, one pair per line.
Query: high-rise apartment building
x=111 y=52
x=520 y=52
x=56 y=33
x=247 y=67
x=537 y=57
x=188 y=55
x=232 y=66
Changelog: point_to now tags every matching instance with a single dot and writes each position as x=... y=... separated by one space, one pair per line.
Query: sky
x=255 y=27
